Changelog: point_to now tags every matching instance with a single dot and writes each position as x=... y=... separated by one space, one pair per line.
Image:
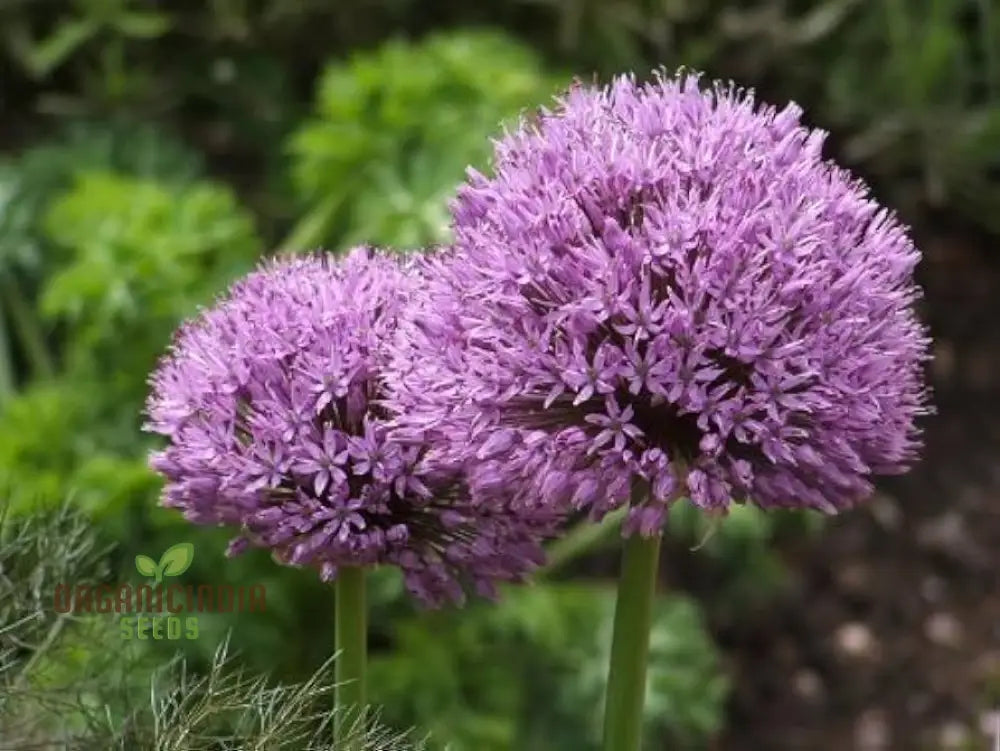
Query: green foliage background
x=151 y=152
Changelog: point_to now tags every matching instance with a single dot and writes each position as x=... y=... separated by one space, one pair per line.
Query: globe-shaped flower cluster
x=271 y=405
x=665 y=285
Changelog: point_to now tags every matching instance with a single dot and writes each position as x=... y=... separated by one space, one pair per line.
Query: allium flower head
x=270 y=402
x=666 y=282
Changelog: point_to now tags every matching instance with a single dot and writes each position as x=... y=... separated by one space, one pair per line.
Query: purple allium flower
x=667 y=282
x=270 y=402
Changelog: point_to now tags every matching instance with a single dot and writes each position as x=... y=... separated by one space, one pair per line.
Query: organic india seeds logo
x=174 y=562
x=160 y=609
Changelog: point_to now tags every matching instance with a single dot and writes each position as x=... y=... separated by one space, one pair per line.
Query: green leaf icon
x=176 y=559
x=145 y=565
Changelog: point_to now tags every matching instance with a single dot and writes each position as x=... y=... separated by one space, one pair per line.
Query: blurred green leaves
x=28 y=186
x=932 y=109
x=91 y=19
x=97 y=36
x=140 y=256
x=107 y=240
x=44 y=433
x=739 y=554
x=529 y=672
x=394 y=130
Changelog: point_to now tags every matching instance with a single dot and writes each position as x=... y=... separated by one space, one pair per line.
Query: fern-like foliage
x=70 y=683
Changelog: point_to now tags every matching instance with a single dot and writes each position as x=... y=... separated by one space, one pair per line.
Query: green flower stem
x=352 y=647
x=630 y=643
x=22 y=318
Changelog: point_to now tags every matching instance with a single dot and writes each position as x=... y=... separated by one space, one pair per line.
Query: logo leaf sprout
x=145 y=565
x=175 y=561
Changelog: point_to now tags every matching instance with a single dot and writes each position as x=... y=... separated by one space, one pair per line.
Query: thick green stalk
x=352 y=648
x=626 y=691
